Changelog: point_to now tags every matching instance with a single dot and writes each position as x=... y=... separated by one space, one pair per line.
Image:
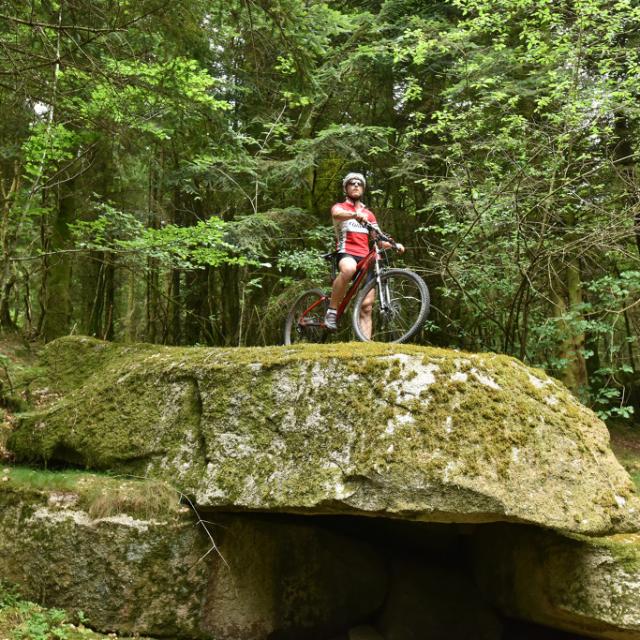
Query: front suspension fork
x=384 y=303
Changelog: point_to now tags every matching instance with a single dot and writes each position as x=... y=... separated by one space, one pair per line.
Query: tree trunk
x=175 y=306
x=109 y=298
x=57 y=319
x=567 y=303
x=196 y=294
x=8 y=241
x=627 y=170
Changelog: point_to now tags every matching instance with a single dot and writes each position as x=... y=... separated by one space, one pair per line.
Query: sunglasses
x=354 y=183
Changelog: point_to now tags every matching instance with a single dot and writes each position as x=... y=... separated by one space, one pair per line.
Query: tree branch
x=60 y=27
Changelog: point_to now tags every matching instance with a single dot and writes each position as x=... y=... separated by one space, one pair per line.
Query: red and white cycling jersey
x=352 y=237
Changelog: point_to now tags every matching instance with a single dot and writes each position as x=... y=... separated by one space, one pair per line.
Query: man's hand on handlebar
x=386 y=241
x=361 y=218
x=393 y=245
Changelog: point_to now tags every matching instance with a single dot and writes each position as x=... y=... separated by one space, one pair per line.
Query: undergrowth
x=635 y=476
x=625 y=443
x=24 y=620
x=18 y=367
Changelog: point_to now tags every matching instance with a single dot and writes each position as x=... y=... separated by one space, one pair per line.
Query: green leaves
x=47 y=147
x=525 y=204
x=151 y=98
x=192 y=247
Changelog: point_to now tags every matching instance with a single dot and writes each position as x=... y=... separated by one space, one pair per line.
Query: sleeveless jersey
x=351 y=236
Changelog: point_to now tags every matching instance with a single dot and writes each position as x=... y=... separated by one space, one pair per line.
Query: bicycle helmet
x=353 y=176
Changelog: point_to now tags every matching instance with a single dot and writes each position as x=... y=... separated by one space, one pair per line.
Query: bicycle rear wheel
x=399 y=313
x=305 y=320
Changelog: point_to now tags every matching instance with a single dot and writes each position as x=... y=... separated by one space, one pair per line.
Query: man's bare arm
x=340 y=214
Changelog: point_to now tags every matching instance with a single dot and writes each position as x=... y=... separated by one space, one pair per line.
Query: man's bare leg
x=347 y=267
x=366 y=323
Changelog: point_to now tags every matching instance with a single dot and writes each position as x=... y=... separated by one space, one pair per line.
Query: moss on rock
x=589 y=586
x=125 y=574
x=99 y=495
x=394 y=430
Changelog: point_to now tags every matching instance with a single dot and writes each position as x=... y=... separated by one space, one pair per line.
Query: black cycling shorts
x=339 y=256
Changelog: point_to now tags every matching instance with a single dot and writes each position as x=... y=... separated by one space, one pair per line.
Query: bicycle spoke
x=305 y=319
x=403 y=307
x=399 y=312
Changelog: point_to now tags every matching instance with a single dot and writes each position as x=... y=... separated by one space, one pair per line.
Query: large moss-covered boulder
x=589 y=586
x=233 y=577
x=396 y=431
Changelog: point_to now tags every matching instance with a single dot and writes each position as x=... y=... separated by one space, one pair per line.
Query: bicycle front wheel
x=305 y=320
x=400 y=307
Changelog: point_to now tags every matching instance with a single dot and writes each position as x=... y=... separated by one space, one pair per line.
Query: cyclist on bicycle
x=352 y=246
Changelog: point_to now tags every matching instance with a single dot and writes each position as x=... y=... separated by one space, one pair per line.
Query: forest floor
x=23 y=620
x=625 y=442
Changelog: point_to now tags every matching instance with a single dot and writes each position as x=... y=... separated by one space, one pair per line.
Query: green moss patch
x=624 y=548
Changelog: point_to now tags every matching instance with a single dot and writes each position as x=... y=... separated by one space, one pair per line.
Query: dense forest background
x=167 y=169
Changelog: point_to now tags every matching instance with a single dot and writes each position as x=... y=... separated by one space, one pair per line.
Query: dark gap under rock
x=426 y=572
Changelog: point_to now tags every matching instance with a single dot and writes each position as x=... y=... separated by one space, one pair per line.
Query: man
x=352 y=246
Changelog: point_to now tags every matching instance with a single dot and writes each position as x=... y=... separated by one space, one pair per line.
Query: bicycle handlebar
x=379 y=234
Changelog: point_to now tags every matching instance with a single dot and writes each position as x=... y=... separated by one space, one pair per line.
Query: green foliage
x=151 y=98
x=24 y=620
x=528 y=220
x=499 y=141
x=308 y=263
x=194 y=247
x=47 y=147
x=187 y=247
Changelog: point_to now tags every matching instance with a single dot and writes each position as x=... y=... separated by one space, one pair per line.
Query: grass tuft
x=147 y=499
x=100 y=495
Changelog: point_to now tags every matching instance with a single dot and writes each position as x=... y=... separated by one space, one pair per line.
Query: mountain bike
x=400 y=309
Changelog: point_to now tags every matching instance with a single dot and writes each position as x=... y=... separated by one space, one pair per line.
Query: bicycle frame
x=370 y=261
